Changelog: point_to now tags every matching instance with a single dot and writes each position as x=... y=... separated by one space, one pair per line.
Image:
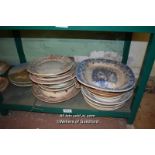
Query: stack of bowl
x=105 y=84
x=53 y=78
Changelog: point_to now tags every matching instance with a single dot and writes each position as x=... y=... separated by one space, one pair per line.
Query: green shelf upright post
x=126 y=48
x=19 y=46
x=143 y=77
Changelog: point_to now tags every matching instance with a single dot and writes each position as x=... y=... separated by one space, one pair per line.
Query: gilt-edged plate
x=19 y=76
x=110 y=101
x=54 y=97
x=105 y=75
x=50 y=66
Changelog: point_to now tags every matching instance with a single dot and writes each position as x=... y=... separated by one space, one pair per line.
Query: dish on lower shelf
x=54 y=97
x=19 y=76
x=3 y=83
x=105 y=75
x=107 y=101
x=50 y=66
x=3 y=67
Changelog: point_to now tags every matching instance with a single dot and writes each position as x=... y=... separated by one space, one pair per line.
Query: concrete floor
x=25 y=120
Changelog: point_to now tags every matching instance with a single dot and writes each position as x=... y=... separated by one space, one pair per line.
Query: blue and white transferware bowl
x=105 y=75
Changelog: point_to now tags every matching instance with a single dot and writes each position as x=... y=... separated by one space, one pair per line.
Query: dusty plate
x=3 y=83
x=102 y=107
x=105 y=75
x=56 y=81
x=107 y=101
x=103 y=93
x=18 y=75
x=55 y=97
x=50 y=66
x=58 y=87
x=68 y=74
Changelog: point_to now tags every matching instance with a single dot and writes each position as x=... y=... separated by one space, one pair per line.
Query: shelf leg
x=143 y=78
x=126 y=48
x=19 y=46
x=2 y=110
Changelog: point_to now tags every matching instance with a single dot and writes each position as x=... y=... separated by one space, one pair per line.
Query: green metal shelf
x=18 y=98
x=15 y=98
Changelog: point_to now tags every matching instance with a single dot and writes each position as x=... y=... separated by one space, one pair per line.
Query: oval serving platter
x=105 y=75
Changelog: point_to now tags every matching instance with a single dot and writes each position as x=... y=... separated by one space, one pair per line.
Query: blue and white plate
x=105 y=75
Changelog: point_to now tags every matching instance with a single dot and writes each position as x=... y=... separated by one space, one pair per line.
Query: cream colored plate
x=52 y=97
x=107 y=101
x=102 y=107
x=50 y=66
x=33 y=78
x=19 y=74
x=58 y=87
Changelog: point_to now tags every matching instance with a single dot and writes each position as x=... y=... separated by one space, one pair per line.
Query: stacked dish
x=106 y=84
x=3 y=67
x=3 y=83
x=53 y=78
x=19 y=76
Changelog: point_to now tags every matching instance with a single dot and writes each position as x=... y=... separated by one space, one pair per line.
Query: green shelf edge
x=54 y=110
x=148 y=29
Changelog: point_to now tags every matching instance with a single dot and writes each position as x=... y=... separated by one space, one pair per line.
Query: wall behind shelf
x=39 y=45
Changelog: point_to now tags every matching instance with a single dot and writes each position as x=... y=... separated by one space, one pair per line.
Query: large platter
x=54 y=97
x=50 y=66
x=105 y=75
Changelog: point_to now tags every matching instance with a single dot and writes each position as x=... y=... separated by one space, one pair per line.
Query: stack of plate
x=19 y=76
x=106 y=84
x=53 y=78
x=3 y=67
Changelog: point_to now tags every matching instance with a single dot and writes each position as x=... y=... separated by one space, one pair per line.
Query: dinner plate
x=68 y=74
x=105 y=75
x=19 y=75
x=103 y=101
x=54 y=97
x=58 y=87
x=103 y=93
x=102 y=107
x=56 y=81
x=120 y=98
x=50 y=66
x=3 y=83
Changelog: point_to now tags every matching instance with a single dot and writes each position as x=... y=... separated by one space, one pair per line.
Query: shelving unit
x=15 y=98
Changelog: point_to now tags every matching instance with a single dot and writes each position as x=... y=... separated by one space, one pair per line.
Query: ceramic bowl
x=105 y=75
